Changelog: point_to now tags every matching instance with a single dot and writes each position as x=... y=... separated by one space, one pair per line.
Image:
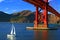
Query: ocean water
x=23 y=34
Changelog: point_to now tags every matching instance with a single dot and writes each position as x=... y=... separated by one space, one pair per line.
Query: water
x=23 y=34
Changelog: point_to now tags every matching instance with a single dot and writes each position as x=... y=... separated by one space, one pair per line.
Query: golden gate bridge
x=44 y=5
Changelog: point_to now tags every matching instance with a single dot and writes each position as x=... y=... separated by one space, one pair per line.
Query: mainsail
x=13 y=30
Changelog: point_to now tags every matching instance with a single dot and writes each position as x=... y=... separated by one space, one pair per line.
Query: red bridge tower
x=43 y=4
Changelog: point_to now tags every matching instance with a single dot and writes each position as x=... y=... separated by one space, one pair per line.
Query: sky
x=11 y=6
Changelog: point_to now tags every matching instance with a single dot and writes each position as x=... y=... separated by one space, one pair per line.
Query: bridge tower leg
x=45 y=17
x=36 y=18
x=45 y=14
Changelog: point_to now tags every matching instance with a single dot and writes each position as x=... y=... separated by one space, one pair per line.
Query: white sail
x=13 y=30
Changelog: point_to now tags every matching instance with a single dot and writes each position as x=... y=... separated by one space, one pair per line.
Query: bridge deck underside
x=41 y=4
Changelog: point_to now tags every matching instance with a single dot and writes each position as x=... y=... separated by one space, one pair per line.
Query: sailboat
x=12 y=33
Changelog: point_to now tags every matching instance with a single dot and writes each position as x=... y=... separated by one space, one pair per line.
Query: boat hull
x=11 y=37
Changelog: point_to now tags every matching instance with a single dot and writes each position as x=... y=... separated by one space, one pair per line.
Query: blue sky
x=10 y=6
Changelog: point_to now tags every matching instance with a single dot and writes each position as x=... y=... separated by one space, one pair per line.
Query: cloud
x=1 y=1
x=49 y=0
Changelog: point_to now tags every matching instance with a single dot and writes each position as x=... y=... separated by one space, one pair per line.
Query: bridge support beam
x=45 y=17
x=45 y=14
x=36 y=18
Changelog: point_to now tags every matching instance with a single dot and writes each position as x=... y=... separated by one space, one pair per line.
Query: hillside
x=25 y=16
x=4 y=17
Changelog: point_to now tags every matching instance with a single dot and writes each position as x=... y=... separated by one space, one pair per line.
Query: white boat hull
x=11 y=37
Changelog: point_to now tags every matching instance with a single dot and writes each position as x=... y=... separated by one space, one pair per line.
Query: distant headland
x=25 y=16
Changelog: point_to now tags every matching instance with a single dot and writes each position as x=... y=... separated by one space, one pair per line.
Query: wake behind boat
x=13 y=33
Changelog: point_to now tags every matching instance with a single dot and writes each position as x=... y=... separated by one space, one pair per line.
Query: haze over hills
x=25 y=16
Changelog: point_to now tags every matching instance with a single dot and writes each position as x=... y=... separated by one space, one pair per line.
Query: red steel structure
x=44 y=5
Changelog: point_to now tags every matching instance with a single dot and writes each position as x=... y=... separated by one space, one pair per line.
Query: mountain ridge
x=25 y=16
